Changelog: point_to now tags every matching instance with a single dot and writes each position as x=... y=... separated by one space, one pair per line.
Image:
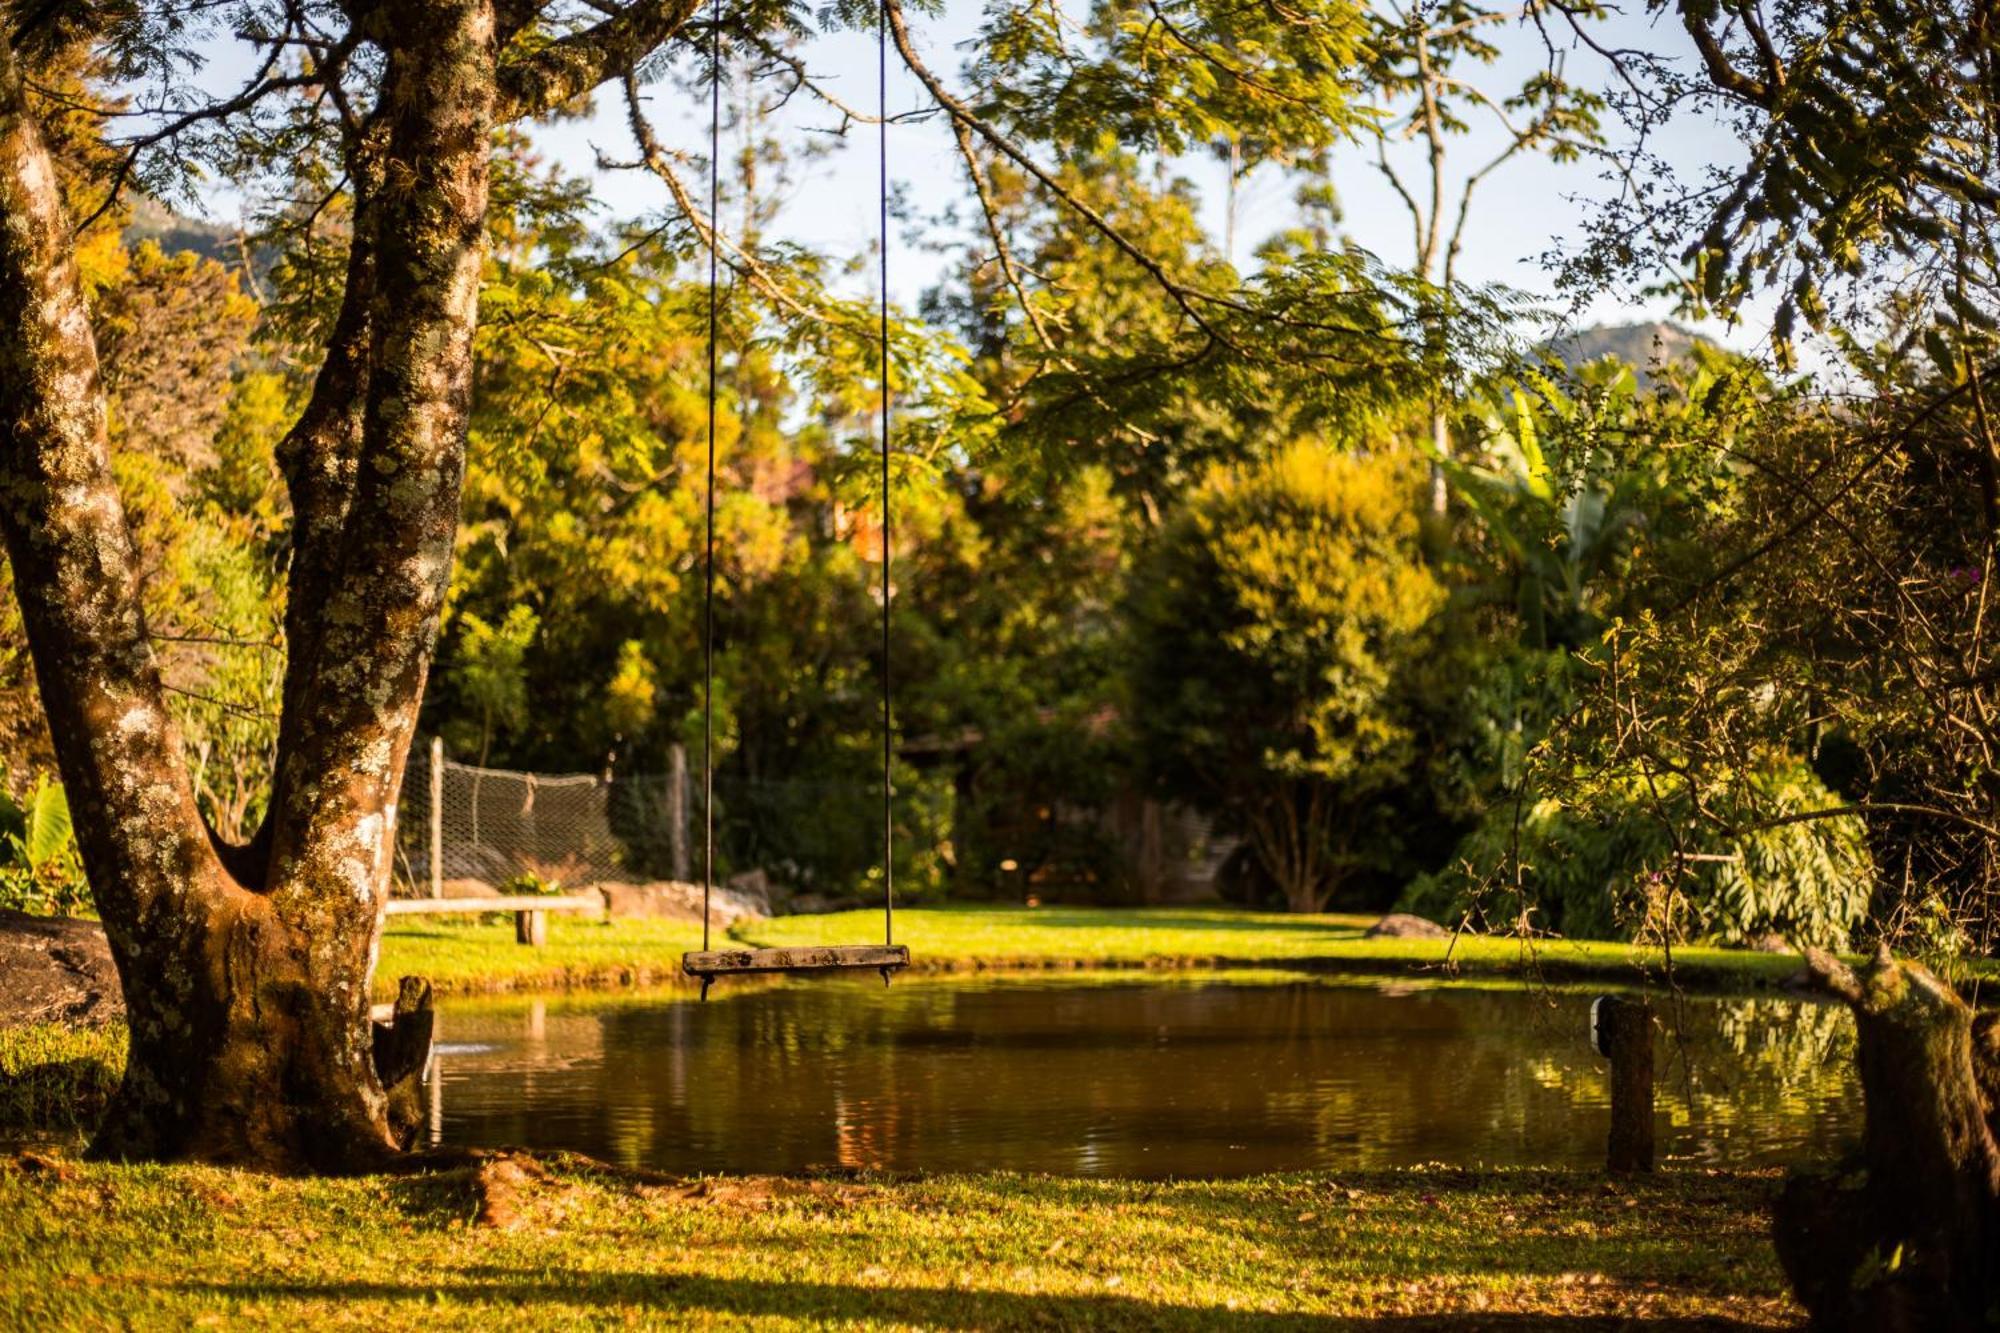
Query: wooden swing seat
x=708 y=964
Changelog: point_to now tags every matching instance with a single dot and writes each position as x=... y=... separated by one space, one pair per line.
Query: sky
x=1529 y=209
x=1532 y=208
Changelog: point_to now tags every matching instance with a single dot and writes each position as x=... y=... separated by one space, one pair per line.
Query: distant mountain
x=174 y=232
x=1641 y=346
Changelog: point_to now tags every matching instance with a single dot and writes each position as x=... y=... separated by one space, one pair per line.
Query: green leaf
x=1536 y=465
x=48 y=830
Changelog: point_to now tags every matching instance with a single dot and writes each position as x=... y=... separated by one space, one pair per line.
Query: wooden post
x=677 y=811
x=531 y=928
x=1622 y=1031
x=1152 y=852
x=437 y=816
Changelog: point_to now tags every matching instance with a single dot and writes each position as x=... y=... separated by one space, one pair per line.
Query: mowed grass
x=469 y=956
x=56 y=1079
x=562 y=1246
x=478 y=955
x=963 y=937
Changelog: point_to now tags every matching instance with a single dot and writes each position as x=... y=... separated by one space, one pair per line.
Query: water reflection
x=1127 y=1078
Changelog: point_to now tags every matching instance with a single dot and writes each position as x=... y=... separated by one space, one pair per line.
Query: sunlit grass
x=474 y=956
x=55 y=1079
x=480 y=955
x=152 y=1247
x=975 y=936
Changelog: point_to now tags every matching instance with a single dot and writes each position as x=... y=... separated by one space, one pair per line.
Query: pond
x=1108 y=1076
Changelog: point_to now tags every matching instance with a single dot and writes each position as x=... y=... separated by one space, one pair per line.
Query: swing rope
x=708 y=555
x=882 y=195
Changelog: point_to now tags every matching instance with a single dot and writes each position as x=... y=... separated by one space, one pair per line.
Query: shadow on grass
x=1642 y=1231
x=923 y=1307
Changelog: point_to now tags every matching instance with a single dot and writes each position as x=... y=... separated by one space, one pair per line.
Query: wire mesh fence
x=470 y=829
x=463 y=823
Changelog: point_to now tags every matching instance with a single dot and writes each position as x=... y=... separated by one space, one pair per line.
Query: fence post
x=1622 y=1031
x=677 y=811
x=437 y=816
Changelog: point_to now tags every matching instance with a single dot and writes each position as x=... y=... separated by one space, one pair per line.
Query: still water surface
x=1105 y=1077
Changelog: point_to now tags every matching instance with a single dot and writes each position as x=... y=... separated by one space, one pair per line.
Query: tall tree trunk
x=1908 y=1236
x=247 y=969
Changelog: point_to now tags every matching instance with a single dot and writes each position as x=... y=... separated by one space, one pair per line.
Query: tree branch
x=571 y=66
x=74 y=568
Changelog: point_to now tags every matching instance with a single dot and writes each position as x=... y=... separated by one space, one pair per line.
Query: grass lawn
x=56 y=1079
x=474 y=956
x=557 y=1246
x=962 y=937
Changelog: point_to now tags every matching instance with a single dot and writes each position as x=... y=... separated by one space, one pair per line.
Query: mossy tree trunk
x=247 y=969
x=1908 y=1235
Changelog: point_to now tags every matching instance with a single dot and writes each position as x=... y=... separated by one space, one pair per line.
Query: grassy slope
x=150 y=1247
x=466 y=956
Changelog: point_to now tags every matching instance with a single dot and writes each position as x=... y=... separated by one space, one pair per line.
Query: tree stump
x=402 y=1049
x=1906 y=1235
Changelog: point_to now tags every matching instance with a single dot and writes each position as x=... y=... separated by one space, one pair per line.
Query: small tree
x=1273 y=630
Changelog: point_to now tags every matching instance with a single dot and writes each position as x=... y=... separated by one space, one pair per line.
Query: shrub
x=40 y=870
x=1276 y=630
x=1607 y=869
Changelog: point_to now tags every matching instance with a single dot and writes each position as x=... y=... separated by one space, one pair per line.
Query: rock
x=1769 y=942
x=1405 y=926
x=679 y=901
x=57 y=969
x=753 y=887
x=818 y=904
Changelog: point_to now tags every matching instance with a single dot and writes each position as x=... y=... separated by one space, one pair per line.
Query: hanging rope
x=888 y=744
x=708 y=557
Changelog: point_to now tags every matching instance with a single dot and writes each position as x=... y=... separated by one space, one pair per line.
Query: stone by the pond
x=1405 y=926
x=56 y=969
x=680 y=901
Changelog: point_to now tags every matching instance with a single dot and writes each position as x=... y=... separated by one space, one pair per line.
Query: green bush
x=1604 y=867
x=824 y=835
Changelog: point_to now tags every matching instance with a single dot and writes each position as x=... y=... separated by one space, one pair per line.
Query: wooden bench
x=531 y=910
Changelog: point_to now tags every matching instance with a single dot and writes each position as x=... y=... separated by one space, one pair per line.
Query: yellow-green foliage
x=1317 y=554
x=1275 y=627
x=1631 y=857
